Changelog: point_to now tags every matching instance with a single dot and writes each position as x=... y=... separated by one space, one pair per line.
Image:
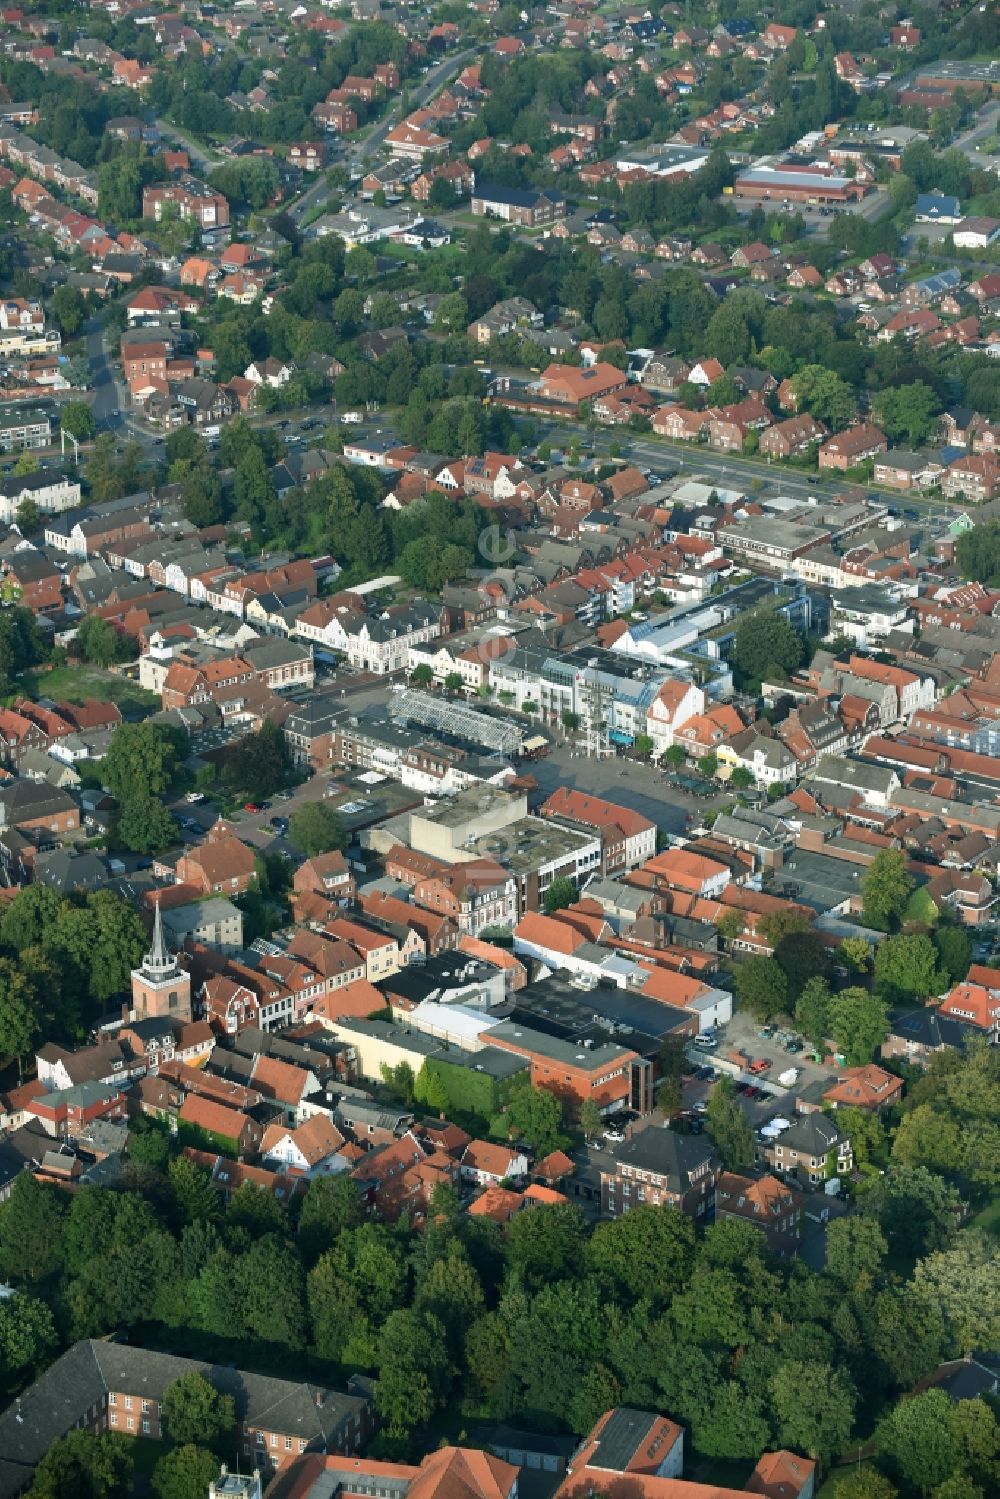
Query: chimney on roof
x=319 y=1396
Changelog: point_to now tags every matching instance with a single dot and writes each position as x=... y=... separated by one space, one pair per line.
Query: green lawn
x=988 y=1218
x=75 y=683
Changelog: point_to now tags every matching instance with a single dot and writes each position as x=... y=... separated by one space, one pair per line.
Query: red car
x=251 y=807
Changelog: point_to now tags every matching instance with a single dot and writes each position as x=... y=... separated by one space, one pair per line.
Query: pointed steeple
x=158 y=962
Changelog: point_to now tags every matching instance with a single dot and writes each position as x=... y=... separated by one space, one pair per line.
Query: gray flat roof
x=567 y=1052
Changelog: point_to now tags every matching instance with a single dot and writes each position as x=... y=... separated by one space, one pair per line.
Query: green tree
x=99 y=641
x=27 y=516
x=761 y=987
x=961 y=1281
x=916 y=1210
x=855 y=1252
x=906 y=967
x=316 y=828
x=253 y=491
x=331 y=1205
x=414 y=1371
x=708 y=766
x=77 y=418
x=886 y=888
x=915 y=1438
x=142 y=761
x=907 y=413
x=855 y=954
x=813 y=1406
x=422 y=675
x=591 y=1119
x=259 y=764
x=823 y=393
x=561 y=893
x=30 y=1221
x=193 y=1411
x=859 y=1023
x=977 y=553
x=535 y=1115
x=729 y=1126
x=68 y=311
x=546 y=1244
x=146 y=826
x=28 y=1336
x=729 y=925
x=741 y=778
x=864 y=1483
x=676 y=757
x=649 y=1252
x=766 y=646
x=812 y=1012
x=20 y=1018
x=86 y=1466
x=185 y=1473
x=801 y=956
x=119 y=185
x=450 y=1291
x=954 y=950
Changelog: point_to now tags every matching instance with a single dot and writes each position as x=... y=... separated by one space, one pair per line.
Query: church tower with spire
x=160 y=987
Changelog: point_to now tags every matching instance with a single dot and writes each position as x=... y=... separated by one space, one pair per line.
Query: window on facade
x=146 y=1428
x=128 y=1402
x=113 y=1418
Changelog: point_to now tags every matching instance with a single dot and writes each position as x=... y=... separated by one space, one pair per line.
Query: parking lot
x=743 y=1034
x=640 y=787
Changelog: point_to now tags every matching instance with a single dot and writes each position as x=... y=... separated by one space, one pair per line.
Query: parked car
x=252 y=807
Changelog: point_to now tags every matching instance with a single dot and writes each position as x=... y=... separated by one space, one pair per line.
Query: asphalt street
x=356 y=153
x=105 y=405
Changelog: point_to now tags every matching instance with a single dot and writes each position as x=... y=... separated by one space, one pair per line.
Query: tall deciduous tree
x=886 y=888
x=185 y=1473
x=414 y=1371
x=813 y=1406
x=193 y=1411
x=859 y=1023
x=907 y=967
x=649 y=1250
x=761 y=987
x=729 y=1126
x=86 y=1466
x=316 y=829
x=766 y=646
x=19 y=1012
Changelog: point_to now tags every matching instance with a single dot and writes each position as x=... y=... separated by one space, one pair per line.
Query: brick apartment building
x=102 y=1386
x=195 y=203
